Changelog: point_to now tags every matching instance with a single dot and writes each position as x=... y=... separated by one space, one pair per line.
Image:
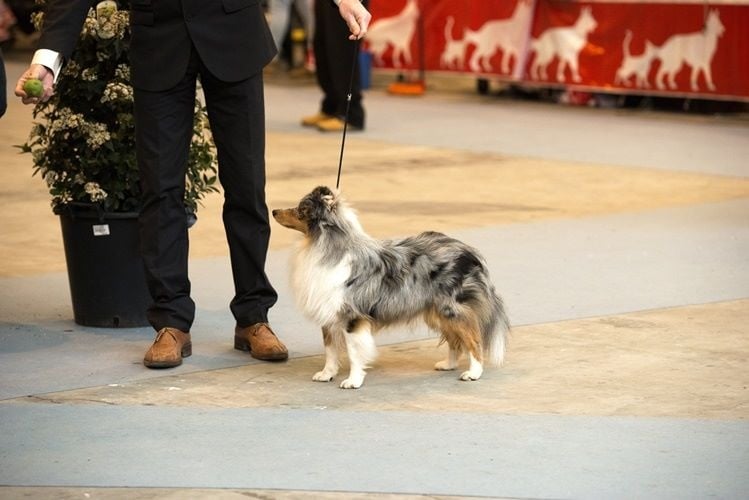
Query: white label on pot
x=101 y=229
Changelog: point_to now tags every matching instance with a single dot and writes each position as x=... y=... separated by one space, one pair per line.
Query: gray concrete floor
x=626 y=375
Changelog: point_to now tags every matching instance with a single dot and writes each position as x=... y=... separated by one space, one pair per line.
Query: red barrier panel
x=686 y=49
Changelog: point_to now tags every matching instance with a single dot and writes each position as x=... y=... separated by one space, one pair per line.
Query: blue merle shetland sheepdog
x=353 y=285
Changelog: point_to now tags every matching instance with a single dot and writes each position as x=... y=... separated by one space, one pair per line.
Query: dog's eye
x=305 y=209
x=302 y=212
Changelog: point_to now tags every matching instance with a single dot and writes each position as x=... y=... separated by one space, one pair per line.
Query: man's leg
x=3 y=83
x=280 y=14
x=237 y=117
x=164 y=122
x=334 y=56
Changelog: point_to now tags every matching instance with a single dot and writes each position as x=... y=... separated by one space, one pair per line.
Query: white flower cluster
x=96 y=133
x=123 y=72
x=117 y=91
x=108 y=25
x=89 y=75
x=62 y=199
x=95 y=192
x=71 y=68
x=115 y=25
x=58 y=179
x=66 y=120
x=49 y=178
x=90 y=26
x=106 y=30
x=37 y=19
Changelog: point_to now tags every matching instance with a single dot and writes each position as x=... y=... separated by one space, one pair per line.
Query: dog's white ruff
x=319 y=288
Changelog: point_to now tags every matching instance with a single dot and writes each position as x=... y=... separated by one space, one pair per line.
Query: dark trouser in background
x=3 y=91
x=164 y=127
x=334 y=57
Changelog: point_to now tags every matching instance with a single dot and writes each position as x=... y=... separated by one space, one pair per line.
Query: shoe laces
x=163 y=332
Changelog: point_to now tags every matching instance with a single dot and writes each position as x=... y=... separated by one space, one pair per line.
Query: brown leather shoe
x=335 y=124
x=168 y=349
x=260 y=341
x=313 y=120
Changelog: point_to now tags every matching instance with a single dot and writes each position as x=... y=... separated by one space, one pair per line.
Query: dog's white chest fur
x=319 y=288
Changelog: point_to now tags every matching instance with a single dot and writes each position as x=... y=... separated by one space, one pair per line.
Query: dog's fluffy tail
x=494 y=329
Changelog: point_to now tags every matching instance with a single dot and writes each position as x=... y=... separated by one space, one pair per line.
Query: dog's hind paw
x=352 y=383
x=444 y=365
x=470 y=375
x=323 y=376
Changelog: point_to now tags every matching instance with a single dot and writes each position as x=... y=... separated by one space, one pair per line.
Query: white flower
x=95 y=192
x=90 y=26
x=50 y=177
x=71 y=68
x=123 y=72
x=64 y=120
x=37 y=19
x=89 y=75
x=62 y=199
x=106 y=30
x=116 y=91
x=96 y=134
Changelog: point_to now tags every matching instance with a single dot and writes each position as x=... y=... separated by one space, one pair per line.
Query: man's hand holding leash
x=356 y=16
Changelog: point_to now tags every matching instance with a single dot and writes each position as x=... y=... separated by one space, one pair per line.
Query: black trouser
x=334 y=57
x=3 y=91
x=164 y=125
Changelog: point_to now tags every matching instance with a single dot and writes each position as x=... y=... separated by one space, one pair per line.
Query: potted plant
x=82 y=144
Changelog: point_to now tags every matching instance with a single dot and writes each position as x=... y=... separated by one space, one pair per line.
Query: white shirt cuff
x=50 y=59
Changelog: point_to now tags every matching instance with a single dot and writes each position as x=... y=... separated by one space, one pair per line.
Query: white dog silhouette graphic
x=693 y=49
x=507 y=35
x=564 y=43
x=396 y=32
x=454 y=51
x=637 y=66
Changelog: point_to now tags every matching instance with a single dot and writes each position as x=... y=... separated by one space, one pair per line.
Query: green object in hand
x=33 y=87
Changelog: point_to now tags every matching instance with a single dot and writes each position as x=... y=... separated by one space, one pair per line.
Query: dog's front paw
x=323 y=376
x=445 y=365
x=471 y=375
x=352 y=383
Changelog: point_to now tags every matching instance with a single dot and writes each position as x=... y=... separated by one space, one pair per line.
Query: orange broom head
x=407 y=88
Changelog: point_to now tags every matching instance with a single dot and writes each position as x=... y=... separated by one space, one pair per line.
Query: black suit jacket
x=231 y=36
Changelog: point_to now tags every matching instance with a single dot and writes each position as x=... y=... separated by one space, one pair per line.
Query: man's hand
x=41 y=73
x=356 y=16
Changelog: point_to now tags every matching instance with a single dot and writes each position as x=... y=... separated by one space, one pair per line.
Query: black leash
x=354 y=67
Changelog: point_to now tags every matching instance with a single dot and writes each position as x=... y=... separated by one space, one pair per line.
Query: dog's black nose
x=274 y=212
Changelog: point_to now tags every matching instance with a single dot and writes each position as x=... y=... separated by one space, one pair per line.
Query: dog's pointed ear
x=330 y=200
x=328 y=196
